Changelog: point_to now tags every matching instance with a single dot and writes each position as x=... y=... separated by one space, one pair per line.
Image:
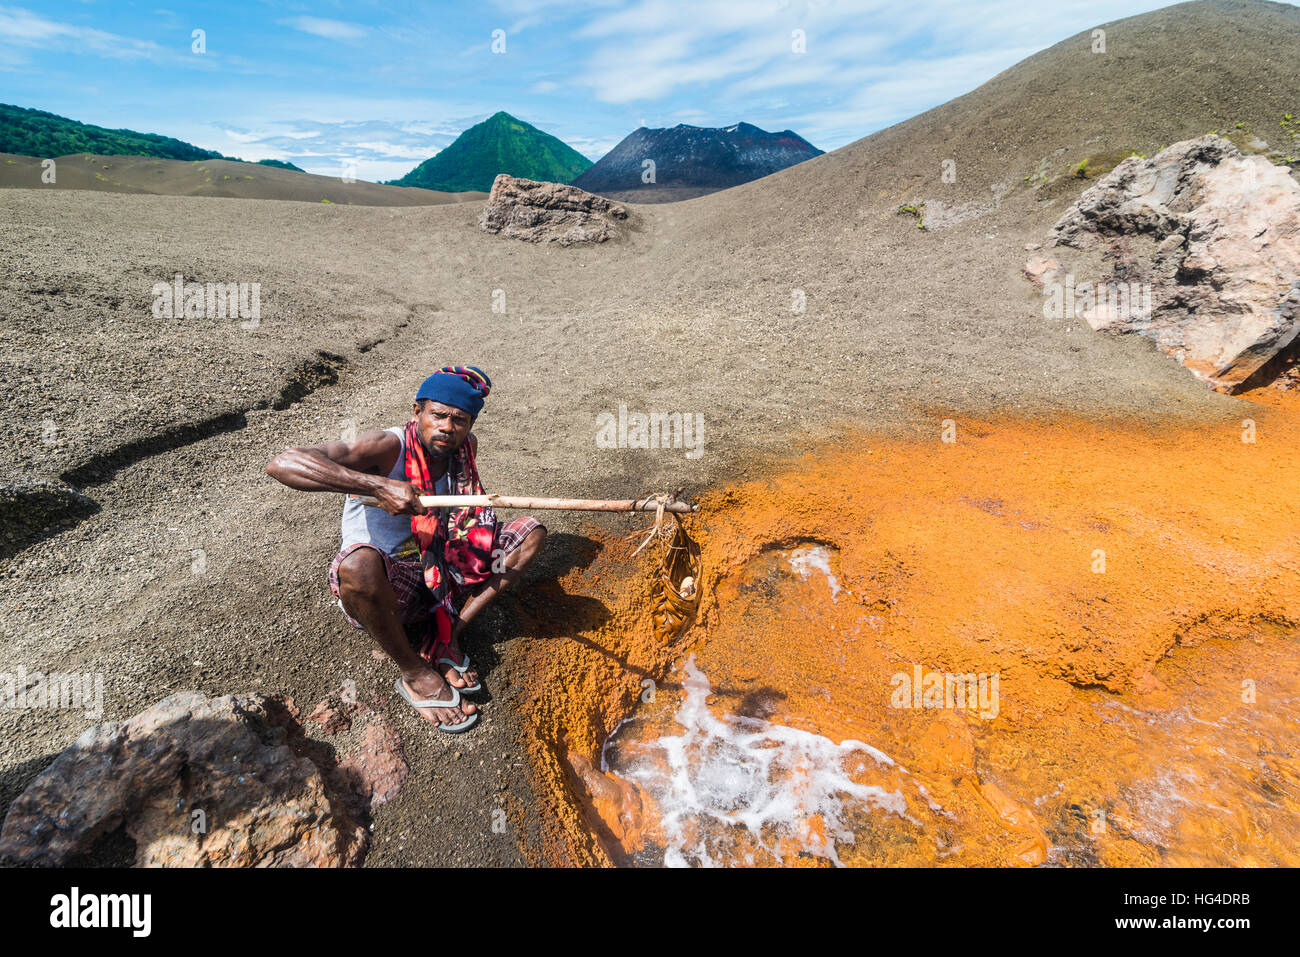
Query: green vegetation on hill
x=280 y=164
x=37 y=133
x=500 y=144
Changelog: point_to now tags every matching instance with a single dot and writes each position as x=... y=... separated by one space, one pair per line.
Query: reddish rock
x=199 y=781
x=334 y=714
x=376 y=769
x=1040 y=270
x=331 y=719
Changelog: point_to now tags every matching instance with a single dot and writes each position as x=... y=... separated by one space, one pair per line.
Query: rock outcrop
x=203 y=782
x=1203 y=246
x=549 y=212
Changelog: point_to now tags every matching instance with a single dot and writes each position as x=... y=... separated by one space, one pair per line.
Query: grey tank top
x=374 y=526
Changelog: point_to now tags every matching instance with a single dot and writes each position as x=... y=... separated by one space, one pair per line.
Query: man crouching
x=404 y=564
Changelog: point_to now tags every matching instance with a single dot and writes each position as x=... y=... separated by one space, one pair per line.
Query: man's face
x=443 y=428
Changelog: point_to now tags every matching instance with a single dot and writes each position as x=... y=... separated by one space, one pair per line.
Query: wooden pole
x=565 y=504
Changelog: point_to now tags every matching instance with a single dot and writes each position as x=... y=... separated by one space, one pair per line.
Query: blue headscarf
x=464 y=387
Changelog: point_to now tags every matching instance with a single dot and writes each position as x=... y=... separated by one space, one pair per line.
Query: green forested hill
x=280 y=164
x=37 y=133
x=500 y=144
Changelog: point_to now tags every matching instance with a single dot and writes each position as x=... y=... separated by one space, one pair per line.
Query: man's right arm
x=349 y=467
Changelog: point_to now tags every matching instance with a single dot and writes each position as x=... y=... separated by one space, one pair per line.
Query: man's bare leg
x=516 y=563
x=368 y=597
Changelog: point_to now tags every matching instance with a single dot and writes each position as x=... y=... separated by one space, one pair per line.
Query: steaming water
x=810 y=558
x=733 y=788
x=1146 y=717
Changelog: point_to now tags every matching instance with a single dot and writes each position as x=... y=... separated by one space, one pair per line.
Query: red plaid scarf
x=455 y=544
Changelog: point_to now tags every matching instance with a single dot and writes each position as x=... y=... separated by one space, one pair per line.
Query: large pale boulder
x=549 y=212
x=1213 y=237
x=198 y=781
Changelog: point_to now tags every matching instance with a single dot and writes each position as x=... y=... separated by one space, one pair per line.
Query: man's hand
x=399 y=498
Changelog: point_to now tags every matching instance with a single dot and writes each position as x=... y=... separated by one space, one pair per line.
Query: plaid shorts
x=406 y=576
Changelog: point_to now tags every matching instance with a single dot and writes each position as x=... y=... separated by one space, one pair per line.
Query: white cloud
x=378 y=149
x=432 y=129
x=654 y=67
x=901 y=91
x=595 y=148
x=525 y=14
x=713 y=18
x=23 y=28
x=867 y=62
x=419 y=153
x=329 y=29
x=376 y=171
x=257 y=136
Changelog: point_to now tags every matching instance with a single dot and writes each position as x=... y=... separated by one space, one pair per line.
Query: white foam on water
x=730 y=771
x=808 y=558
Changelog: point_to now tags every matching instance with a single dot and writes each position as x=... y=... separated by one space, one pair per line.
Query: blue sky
x=382 y=86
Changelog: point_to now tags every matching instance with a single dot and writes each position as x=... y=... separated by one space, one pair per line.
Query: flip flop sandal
x=461 y=669
x=432 y=703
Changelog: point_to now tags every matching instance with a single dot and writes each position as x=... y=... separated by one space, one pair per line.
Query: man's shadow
x=537 y=606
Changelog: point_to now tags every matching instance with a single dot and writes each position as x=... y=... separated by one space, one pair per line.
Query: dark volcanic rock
x=693 y=160
x=548 y=212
